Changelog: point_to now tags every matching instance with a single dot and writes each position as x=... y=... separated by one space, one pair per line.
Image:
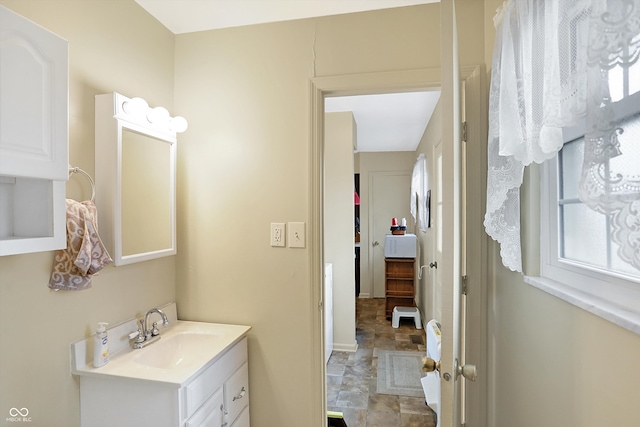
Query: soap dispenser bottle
x=100 y=346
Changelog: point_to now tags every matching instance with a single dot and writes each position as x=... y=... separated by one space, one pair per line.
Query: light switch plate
x=296 y=235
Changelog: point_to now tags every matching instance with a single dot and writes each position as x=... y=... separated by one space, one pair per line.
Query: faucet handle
x=139 y=334
x=155 y=331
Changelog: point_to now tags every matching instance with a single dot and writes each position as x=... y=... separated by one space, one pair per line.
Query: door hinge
x=464 y=131
x=464 y=285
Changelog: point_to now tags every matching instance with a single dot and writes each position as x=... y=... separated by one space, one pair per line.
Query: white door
x=472 y=263
x=449 y=270
x=474 y=242
x=389 y=195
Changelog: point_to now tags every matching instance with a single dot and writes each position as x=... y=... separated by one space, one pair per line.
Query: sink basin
x=175 y=350
x=183 y=350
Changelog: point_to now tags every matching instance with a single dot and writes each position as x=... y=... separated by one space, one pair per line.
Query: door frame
x=319 y=88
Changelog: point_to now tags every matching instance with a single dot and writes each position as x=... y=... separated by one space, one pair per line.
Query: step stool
x=399 y=312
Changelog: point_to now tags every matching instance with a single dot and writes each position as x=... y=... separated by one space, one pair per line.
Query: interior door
x=474 y=244
x=389 y=192
x=449 y=268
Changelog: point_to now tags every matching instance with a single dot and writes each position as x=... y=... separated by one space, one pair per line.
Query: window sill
x=620 y=316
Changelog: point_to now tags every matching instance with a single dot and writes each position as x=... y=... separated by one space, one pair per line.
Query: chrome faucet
x=148 y=333
x=145 y=335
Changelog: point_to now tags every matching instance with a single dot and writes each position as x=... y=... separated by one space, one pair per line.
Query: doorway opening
x=383 y=190
x=425 y=79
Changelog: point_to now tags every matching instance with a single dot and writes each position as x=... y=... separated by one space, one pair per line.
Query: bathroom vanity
x=196 y=375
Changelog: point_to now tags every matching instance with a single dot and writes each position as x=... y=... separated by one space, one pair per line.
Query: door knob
x=376 y=243
x=430 y=365
x=468 y=371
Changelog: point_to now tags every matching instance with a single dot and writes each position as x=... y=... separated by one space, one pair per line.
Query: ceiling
x=187 y=16
x=389 y=122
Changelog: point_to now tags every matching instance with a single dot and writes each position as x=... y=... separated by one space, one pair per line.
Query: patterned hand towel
x=85 y=254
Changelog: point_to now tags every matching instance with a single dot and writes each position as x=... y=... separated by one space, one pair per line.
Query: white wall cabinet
x=34 y=157
x=218 y=396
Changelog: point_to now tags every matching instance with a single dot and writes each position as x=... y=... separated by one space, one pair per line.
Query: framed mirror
x=136 y=148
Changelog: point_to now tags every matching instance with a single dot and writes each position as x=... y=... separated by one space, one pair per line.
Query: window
x=578 y=255
x=554 y=64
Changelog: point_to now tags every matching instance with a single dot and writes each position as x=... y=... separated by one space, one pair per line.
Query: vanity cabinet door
x=242 y=420
x=34 y=101
x=236 y=392
x=211 y=414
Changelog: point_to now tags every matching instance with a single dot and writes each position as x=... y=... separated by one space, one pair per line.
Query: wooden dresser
x=399 y=287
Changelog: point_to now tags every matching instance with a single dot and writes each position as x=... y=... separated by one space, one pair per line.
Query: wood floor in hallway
x=352 y=376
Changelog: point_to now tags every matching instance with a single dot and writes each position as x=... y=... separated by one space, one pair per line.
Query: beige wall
x=113 y=46
x=245 y=164
x=339 y=140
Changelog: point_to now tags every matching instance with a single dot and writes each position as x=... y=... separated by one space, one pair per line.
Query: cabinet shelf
x=399 y=283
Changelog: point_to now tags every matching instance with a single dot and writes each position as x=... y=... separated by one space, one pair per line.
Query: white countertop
x=207 y=342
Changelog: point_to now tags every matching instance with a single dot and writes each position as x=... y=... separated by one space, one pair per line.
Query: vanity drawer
x=213 y=378
x=236 y=392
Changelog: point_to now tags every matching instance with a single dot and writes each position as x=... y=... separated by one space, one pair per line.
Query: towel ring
x=76 y=169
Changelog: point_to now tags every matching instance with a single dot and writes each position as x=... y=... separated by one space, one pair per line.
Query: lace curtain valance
x=560 y=64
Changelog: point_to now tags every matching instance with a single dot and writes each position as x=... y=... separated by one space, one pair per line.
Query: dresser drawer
x=236 y=392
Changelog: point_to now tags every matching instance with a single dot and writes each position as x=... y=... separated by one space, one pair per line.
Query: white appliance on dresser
x=400 y=246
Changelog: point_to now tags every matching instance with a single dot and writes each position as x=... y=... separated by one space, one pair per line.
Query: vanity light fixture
x=178 y=124
x=158 y=114
x=158 y=117
x=135 y=106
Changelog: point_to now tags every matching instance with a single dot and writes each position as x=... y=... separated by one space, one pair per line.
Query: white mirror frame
x=115 y=112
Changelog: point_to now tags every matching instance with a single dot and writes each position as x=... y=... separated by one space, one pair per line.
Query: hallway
x=352 y=377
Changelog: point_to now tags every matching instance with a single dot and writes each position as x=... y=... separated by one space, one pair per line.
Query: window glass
x=571 y=157
x=584 y=234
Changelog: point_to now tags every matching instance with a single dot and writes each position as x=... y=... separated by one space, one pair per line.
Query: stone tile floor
x=352 y=377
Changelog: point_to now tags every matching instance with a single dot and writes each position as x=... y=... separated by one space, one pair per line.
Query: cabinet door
x=236 y=392
x=211 y=414
x=242 y=420
x=34 y=101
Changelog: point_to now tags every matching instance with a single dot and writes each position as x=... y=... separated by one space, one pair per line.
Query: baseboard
x=364 y=295
x=345 y=347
